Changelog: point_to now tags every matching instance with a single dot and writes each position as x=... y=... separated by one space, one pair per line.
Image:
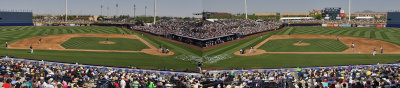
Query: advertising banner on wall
x=330 y=25
x=324 y=25
x=344 y=25
x=379 y=25
x=335 y=25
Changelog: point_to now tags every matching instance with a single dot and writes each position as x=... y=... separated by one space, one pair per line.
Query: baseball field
x=113 y=46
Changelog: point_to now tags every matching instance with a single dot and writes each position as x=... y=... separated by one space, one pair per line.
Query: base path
x=362 y=45
x=53 y=42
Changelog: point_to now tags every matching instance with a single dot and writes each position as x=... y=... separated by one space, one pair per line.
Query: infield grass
x=316 y=45
x=92 y=43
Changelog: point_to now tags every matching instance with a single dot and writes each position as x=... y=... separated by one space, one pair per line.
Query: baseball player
x=6 y=44
x=337 y=38
x=352 y=46
x=299 y=41
x=381 y=49
x=251 y=49
x=40 y=40
x=373 y=53
x=166 y=50
x=31 y=49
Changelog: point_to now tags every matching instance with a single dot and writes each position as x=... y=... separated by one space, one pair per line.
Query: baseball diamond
x=383 y=36
x=200 y=44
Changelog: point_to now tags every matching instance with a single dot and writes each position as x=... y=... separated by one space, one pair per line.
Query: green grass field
x=316 y=45
x=185 y=57
x=92 y=43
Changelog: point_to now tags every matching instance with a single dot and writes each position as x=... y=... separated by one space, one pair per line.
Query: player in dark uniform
x=6 y=44
x=352 y=46
x=31 y=48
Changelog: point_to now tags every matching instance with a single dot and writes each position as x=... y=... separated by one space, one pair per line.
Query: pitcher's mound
x=106 y=42
x=301 y=44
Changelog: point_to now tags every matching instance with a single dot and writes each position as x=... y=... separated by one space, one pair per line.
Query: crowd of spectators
x=83 y=21
x=208 y=29
x=38 y=74
x=334 y=77
x=354 y=21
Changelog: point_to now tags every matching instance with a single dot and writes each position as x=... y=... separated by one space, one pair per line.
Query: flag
x=101 y=6
x=116 y=5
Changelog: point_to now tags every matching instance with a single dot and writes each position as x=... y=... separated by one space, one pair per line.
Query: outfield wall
x=354 y=25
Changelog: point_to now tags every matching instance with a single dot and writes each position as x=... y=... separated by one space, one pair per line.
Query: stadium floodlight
x=66 y=10
x=155 y=14
x=245 y=7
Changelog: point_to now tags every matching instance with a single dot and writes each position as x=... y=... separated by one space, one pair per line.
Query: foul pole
x=155 y=14
x=349 y=11
x=66 y=10
x=245 y=7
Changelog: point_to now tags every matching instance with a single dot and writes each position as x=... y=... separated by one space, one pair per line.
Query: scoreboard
x=332 y=13
x=393 y=19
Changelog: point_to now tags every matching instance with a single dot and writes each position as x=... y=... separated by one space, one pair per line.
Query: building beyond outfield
x=15 y=18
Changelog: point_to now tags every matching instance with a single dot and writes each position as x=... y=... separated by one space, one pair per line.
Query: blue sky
x=185 y=8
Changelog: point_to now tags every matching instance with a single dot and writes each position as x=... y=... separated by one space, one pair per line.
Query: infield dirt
x=53 y=42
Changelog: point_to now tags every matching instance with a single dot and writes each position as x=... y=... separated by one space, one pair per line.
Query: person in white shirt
x=122 y=83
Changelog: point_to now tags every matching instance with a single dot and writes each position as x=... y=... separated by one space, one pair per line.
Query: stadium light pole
x=134 y=10
x=117 y=12
x=108 y=11
x=349 y=11
x=155 y=14
x=66 y=10
x=145 y=11
x=245 y=7
x=101 y=10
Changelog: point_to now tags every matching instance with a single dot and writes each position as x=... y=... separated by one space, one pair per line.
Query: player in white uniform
x=251 y=49
x=373 y=53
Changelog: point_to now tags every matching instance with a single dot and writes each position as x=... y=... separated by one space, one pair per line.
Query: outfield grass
x=221 y=57
x=92 y=43
x=316 y=45
x=385 y=34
